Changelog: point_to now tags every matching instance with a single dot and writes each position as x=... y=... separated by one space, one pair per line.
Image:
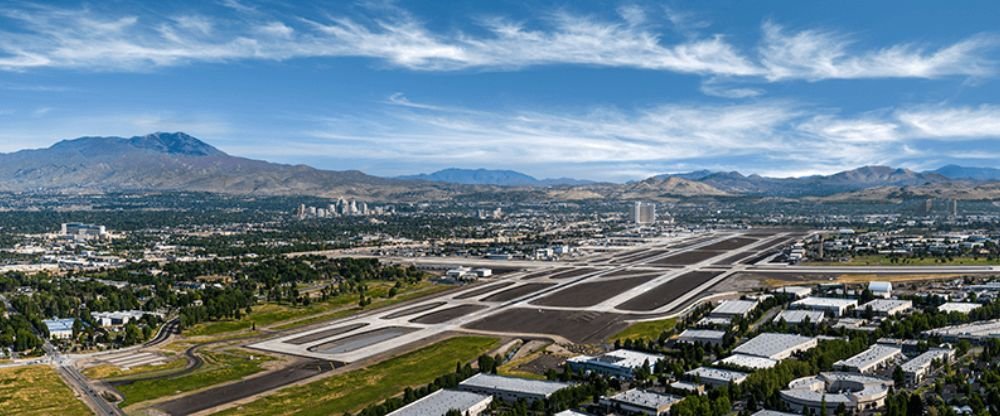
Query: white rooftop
x=440 y=402
x=960 y=307
x=925 y=359
x=710 y=373
x=872 y=356
x=798 y=316
x=814 y=301
x=799 y=291
x=645 y=399
x=692 y=334
x=773 y=413
x=772 y=345
x=734 y=307
x=887 y=305
x=981 y=329
x=513 y=384
x=748 y=361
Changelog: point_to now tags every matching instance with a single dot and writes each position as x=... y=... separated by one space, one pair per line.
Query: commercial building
x=960 y=307
x=60 y=328
x=711 y=321
x=775 y=346
x=716 y=377
x=868 y=361
x=798 y=292
x=881 y=289
x=975 y=331
x=617 y=363
x=747 y=362
x=796 y=317
x=772 y=413
x=441 y=402
x=637 y=401
x=833 y=306
x=858 y=393
x=116 y=318
x=733 y=308
x=644 y=213
x=83 y=232
x=511 y=389
x=886 y=307
x=701 y=336
x=688 y=388
x=916 y=369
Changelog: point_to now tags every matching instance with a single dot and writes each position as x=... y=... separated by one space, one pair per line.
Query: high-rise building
x=954 y=208
x=644 y=213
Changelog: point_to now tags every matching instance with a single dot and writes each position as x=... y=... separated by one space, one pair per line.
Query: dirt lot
x=730 y=244
x=414 y=310
x=576 y=326
x=689 y=257
x=232 y=392
x=446 y=315
x=517 y=292
x=483 y=290
x=664 y=294
x=592 y=293
x=324 y=334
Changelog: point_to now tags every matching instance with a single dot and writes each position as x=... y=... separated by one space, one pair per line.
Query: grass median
x=352 y=391
x=220 y=367
x=37 y=390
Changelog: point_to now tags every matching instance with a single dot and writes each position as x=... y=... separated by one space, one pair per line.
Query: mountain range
x=491 y=177
x=179 y=162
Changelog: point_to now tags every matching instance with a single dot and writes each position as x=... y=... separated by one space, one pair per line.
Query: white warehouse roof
x=871 y=358
x=799 y=316
x=441 y=401
x=820 y=302
x=960 y=307
x=888 y=306
x=513 y=384
x=748 y=362
x=775 y=346
x=734 y=308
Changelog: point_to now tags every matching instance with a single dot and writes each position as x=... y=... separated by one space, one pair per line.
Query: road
x=90 y=395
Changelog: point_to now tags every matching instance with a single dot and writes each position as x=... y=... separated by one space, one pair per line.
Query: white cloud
x=819 y=54
x=960 y=122
x=47 y=36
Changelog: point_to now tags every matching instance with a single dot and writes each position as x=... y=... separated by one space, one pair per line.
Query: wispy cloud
x=49 y=36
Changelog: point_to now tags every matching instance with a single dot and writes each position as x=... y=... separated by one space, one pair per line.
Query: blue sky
x=599 y=90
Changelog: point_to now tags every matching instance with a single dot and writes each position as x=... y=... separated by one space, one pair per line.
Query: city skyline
x=602 y=91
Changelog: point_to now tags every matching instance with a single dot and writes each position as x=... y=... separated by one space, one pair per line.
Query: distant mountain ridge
x=180 y=162
x=491 y=177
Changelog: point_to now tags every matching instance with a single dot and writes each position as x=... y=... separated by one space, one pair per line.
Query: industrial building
x=775 y=346
x=868 y=361
x=748 y=362
x=442 y=401
x=701 y=336
x=716 y=377
x=637 y=401
x=960 y=307
x=975 y=331
x=60 y=328
x=833 y=306
x=796 y=317
x=880 y=289
x=83 y=232
x=772 y=413
x=858 y=393
x=798 y=292
x=116 y=318
x=916 y=369
x=617 y=363
x=886 y=307
x=733 y=308
x=511 y=389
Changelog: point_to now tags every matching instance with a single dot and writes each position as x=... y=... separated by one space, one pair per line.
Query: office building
x=641 y=402
x=858 y=393
x=716 y=377
x=876 y=357
x=83 y=232
x=916 y=369
x=644 y=213
x=59 y=328
x=701 y=336
x=833 y=306
x=617 y=363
